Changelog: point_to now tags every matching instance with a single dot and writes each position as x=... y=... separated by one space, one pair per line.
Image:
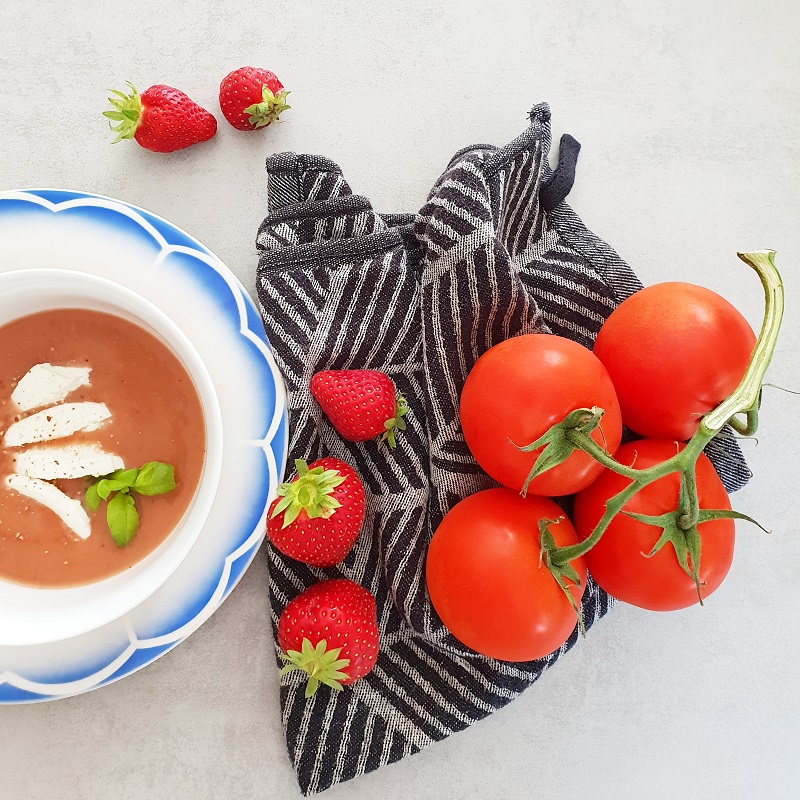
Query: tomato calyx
x=685 y=542
x=561 y=572
x=558 y=444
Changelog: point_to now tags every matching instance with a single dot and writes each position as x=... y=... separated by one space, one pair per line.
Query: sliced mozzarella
x=70 y=511
x=56 y=423
x=46 y=384
x=72 y=461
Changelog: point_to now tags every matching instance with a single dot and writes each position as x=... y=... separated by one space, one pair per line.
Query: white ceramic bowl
x=37 y=616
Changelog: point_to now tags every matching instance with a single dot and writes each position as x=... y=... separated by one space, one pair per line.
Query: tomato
x=486 y=581
x=520 y=388
x=674 y=351
x=617 y=562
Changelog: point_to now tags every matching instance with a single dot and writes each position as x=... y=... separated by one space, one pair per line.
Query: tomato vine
x=679 y=527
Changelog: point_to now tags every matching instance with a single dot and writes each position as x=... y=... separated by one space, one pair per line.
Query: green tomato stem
x=590 y=446
x=683 y=462
x=746 y=396
x=561 y=555
x=748 y=427
x=744 y=399
x=688 y=506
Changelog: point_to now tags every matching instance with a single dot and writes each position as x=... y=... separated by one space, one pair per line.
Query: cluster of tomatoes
x=665 y=357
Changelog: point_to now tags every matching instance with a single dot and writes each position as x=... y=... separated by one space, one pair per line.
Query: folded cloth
x=494 y=253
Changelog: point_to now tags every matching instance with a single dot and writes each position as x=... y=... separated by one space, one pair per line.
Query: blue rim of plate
x=132 y=649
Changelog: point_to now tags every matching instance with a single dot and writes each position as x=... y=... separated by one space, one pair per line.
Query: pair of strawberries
x=330 y=631
x=164 y=119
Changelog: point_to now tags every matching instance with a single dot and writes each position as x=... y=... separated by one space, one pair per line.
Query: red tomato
x=486 y=582
x=674 y=351
x=617 y=562
x=520 y=388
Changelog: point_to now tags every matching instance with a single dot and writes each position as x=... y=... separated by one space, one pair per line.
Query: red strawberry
x=360 y=403
x=317 y=516
x=331 y=632
x=252 y=98
x=161 y=119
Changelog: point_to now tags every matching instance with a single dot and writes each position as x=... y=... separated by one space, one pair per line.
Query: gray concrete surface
x=689 y=117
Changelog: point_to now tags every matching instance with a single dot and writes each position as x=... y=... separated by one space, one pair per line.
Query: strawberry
x=330 y=632
x=360 y=403
x=161 y=119
x=317 y=516
x=252 y=98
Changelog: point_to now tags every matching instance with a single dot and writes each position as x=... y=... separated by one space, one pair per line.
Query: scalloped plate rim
x=115 y=669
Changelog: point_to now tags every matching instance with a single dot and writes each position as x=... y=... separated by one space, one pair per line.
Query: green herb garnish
x=153 y=478
x=122 y=518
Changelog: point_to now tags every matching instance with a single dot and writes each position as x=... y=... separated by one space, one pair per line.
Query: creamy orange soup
x=155 y=416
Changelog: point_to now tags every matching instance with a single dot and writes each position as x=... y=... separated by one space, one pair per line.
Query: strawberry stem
x=311 y=492
x=269 y=109
x=126 y=113
x=320 y=664
x=395 y=423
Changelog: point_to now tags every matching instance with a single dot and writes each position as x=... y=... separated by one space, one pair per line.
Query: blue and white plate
x=86 y=232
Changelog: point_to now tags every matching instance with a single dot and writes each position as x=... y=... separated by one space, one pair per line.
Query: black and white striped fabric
x=494 y=253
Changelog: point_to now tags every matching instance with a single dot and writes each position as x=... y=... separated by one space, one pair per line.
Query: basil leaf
x=125 y=477
x=155 y=478
x=92 y=498
x=122 y=518
x=108 y=485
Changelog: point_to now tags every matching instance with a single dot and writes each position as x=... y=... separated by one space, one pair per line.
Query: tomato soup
x=152 y=413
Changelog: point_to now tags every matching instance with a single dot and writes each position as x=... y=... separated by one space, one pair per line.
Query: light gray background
x=689 y=117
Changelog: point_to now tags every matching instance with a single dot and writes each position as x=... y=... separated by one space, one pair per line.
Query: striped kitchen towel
x=494 y=253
